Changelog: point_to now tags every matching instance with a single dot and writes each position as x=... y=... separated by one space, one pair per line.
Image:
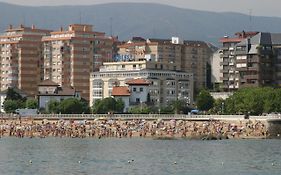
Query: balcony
x=224 y=63
x=251 y=77
x=224 y=70
x=224 y=78
x=241 y=61
x=253 y=60
x=241 y=69
x=253 y=68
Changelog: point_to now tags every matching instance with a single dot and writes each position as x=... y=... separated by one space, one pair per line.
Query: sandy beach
x=157 y=129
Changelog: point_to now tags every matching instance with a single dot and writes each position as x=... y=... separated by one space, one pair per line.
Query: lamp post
x=222 y=107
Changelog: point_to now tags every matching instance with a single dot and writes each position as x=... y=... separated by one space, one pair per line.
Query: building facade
x=21 y=58
x=170 y=54
x=166 y=86
x=51 y=91
x=71 y=55
x=230 y=75
x=254 y=61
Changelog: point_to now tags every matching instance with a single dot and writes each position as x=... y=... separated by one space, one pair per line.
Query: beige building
x=20 y=57
x=71 y=55
x=166 y=85
x=173 y=55
x=195 y=57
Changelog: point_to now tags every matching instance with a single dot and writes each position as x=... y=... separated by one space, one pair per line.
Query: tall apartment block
x=196 y=55
x=230 y=74
x=20 y=57
x=170 y=54
x=164 y=54
x=255 y=58
x=71 y=55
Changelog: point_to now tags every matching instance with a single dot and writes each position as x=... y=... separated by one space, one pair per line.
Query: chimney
x=33 y=26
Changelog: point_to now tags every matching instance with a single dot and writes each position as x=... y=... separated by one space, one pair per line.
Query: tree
x=119 y=107
x=204 y=100
x=177 y=106
x=53 y=107
x=219 y=107
x=107 y=105
x=10 y=106
x=140 y=109
x=31 y=104
x=13 y=95
x=71 y=106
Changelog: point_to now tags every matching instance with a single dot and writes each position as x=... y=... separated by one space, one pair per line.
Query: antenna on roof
x=250 y=18
x=23 y=19
x=80 y=17
x=110 y=20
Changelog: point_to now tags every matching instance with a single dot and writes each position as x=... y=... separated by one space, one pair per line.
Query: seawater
x=112 y=156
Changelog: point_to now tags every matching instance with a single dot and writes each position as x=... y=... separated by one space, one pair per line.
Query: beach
x=118 y=128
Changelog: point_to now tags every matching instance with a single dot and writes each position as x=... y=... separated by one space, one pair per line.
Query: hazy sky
x=256 y=7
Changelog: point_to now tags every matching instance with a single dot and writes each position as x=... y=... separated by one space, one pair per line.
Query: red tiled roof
x=138 y=82
x=48 y=83
x=231 y=40
x=120 y=91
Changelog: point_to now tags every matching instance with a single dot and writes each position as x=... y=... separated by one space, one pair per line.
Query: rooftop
x=139 y=81
x=121 y=91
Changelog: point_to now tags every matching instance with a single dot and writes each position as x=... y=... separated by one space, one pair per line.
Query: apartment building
x=256 y=59
x=165 y=86
x=195 y=58
x=170 y=54
x=165 y=54
x=20 y=57
x=71 y=55
x=230 y=75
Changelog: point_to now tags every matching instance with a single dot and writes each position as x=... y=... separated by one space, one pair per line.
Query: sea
x=138 y=156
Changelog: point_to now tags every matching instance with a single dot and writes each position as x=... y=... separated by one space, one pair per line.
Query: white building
x=165 y=86
x=50 y=91
x=139 y=89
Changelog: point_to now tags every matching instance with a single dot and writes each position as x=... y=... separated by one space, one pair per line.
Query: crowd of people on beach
x=158 y=128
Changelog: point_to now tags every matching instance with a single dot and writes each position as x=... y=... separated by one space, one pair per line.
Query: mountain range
x=139 y=19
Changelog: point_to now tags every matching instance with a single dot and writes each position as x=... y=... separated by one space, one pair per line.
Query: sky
x=253 y=7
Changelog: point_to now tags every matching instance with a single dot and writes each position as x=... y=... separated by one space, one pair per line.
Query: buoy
x=79 y=161
x=129 y=161
x=30 y=161
x=222 y=163
x=272 y=164
x=175 y=162
x=133 y=160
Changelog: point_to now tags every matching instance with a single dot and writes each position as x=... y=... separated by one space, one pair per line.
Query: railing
x=124 y=116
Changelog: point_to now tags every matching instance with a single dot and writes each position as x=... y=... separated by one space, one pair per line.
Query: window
x=134 y=89
x=137 y=100
x=141 y=89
